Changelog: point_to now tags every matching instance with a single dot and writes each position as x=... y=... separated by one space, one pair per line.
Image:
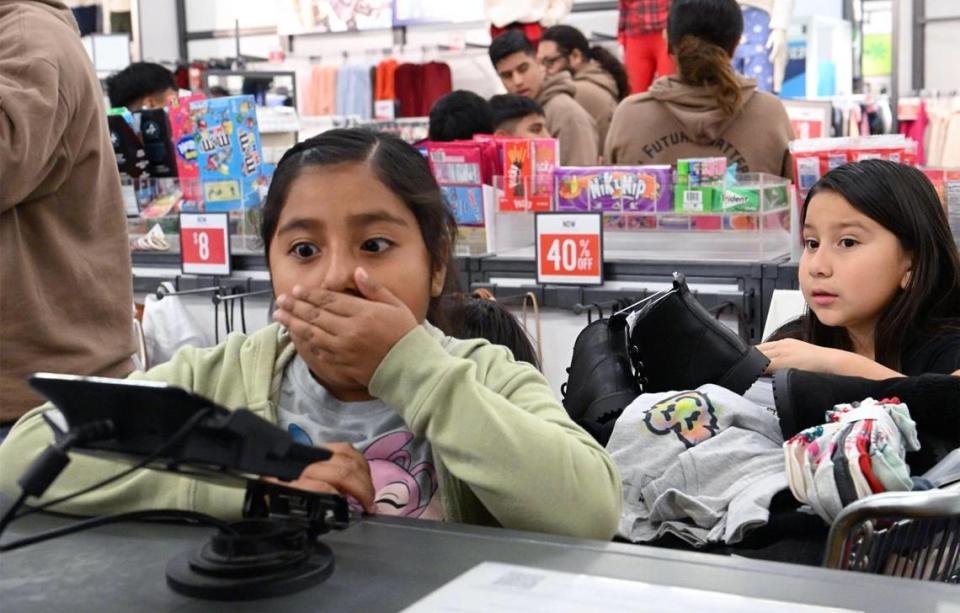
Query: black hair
x=400 y=167
x=568 y=38
x=459 y=115
x=902 y=200
x=703 y=34
x=508 y=43
x=138 y=80
x=511 y=108
x=472 y=317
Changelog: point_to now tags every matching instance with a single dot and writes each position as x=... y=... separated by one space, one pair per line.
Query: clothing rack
x=394 y=51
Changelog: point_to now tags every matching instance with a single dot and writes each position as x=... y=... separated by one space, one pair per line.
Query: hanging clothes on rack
x=321 y=94
x=355 y=91
x=419 y=86
x=386 y=80
x=942 y=142
x=912 y=117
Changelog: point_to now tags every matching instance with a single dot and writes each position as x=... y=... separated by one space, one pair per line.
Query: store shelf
x=744 y=287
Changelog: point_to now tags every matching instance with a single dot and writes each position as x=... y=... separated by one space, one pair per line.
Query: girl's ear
x=905 y=280
x=437 y=281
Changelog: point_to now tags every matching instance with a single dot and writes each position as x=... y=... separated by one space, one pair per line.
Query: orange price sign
x=569 y=248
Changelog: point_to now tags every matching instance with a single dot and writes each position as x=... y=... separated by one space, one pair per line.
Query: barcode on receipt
x=518 y=580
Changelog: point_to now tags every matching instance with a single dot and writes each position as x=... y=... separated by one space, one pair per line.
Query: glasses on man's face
x=548 y=62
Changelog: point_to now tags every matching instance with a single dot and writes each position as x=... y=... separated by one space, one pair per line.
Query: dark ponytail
x=703 y=35
x=703 y=63
x=568 y=39
x=612 y=65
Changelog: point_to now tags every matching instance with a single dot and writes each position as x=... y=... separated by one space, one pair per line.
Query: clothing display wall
x=862 y=116
x=934 y=122
x=352 y=89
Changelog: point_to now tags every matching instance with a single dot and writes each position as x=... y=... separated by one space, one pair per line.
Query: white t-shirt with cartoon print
x=401 y=465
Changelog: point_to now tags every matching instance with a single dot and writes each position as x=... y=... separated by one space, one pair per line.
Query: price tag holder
x=205 y=244
x=384 y=109
x=569 y=248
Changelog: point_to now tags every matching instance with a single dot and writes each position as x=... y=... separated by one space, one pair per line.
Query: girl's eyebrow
x=300 y=223
x=367 y=219
x=842 y=225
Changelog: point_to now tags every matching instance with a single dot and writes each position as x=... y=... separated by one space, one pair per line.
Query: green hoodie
x=506 y=452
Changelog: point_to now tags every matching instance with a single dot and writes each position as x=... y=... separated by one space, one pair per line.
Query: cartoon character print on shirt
x=399 y=488
x=690 y=415
x=402 y=489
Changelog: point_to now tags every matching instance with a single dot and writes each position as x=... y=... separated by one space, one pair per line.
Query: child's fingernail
x=362 y=275
x=299 y=292
x=277 y=315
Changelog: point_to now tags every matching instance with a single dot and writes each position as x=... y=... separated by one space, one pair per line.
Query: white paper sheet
x=507 y=588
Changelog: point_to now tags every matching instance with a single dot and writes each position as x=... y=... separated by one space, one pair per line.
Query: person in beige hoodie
x=706 y=109
x=600 y=78
x=514 y=59
x=66 y=289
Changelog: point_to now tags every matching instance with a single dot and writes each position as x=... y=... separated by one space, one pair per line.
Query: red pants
x=646 y=57
x=533 y=31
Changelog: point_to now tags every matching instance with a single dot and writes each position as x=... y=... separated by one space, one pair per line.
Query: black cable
x=46 y=467
x=11 y=512
x=184 y=430
x=95 y=522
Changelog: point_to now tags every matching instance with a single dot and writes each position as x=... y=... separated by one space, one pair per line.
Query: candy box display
x=815 y=157
x=699 y=184
x=466 y=202
x=459 y=169
x=230 y=155
x=614 y=189
x=528 y=168
x=186 y=144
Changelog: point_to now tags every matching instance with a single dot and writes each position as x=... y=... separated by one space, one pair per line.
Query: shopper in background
x=518 y=116
x=458 y=116
x=359 y=241
x=141 y=85
x=640 y=31
x=528 y=16
x=515 y=61
x=707 y=109
x=599 y=77
x=65 y=289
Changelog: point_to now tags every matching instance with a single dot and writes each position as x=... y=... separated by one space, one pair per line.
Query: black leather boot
x=601 y=381
x=677 y=345
x=802 y=398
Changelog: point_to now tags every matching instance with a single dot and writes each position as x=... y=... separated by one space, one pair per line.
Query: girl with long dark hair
x=881 y=277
